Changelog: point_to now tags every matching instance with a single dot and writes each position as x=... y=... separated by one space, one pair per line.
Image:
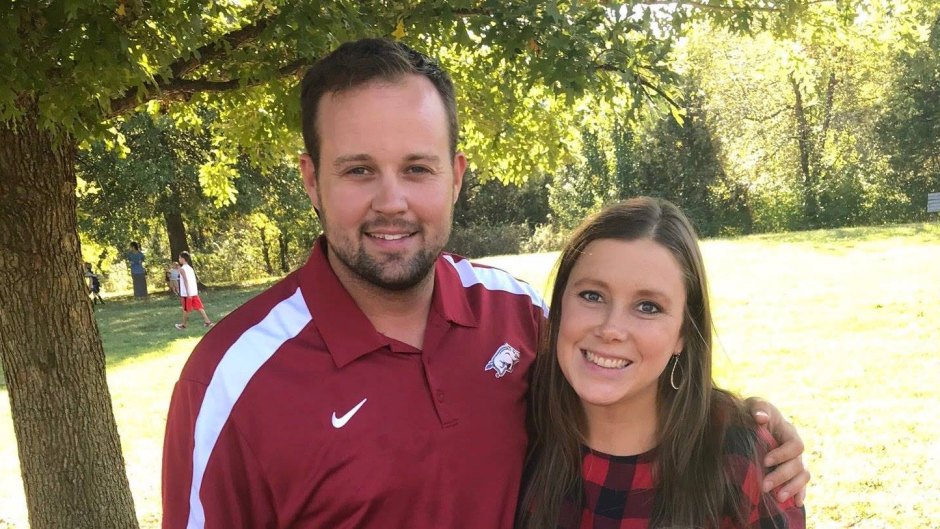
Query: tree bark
x=69 y=449
x=282 y=246
x=827 y=111
x=804 y=141
x=176 y=232
x=265 y=252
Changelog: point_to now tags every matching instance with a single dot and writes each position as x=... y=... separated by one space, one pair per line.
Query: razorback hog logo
x=503 y=361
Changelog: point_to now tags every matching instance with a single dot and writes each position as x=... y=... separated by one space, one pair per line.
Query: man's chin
x=397 y=273
x=400 y=282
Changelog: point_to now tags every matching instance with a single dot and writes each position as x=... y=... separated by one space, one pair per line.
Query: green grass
x=838 y=328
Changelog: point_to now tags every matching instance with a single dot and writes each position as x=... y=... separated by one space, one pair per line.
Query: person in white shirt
x=189 y=292
x=173 y=277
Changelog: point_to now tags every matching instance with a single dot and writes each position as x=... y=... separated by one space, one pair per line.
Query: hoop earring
x=672 y=375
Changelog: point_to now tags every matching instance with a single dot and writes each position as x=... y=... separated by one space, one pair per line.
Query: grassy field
x=840 y=329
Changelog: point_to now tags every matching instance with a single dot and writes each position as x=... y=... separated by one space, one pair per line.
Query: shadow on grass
x=132 y=328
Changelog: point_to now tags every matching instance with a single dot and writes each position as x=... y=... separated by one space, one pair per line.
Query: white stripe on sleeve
x=242 y=360
x=495 y=279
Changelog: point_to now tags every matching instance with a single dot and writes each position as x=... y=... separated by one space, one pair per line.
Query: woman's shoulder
x=747 y=440
x=744 y=448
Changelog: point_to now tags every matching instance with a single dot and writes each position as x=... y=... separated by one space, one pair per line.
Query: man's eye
x=419 y=169
x=357 y=171
x=591 y=295
x=648 y=307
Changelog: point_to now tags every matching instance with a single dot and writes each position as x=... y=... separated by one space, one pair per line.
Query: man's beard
x=414 y=270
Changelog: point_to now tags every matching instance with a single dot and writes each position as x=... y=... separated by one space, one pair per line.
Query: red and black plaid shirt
x=619 y=492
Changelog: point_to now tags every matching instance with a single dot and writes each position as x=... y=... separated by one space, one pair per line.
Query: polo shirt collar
x=345 y=329
x=450 y=295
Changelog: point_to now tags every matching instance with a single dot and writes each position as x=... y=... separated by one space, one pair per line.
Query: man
x=382 y=384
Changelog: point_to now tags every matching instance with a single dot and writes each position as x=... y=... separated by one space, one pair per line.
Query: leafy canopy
x=521 y=65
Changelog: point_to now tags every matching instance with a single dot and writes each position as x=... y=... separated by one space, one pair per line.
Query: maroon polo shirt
x=295 y=412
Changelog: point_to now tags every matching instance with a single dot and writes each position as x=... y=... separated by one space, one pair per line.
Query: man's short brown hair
x=360 y=62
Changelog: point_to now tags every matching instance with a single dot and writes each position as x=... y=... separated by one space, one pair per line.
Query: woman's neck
x=623 y=429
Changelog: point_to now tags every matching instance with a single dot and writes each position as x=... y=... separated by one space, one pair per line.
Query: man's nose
x=390 y=197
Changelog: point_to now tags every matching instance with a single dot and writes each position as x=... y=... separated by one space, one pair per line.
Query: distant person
x=138 y=273
x=94 y=285
x=629 y=429
x=173 y=277
x=189 y=292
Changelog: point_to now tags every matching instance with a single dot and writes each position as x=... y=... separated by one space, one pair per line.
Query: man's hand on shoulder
x=790 y=477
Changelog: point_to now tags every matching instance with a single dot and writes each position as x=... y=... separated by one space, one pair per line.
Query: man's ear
x=460 y=166
x=309 y=173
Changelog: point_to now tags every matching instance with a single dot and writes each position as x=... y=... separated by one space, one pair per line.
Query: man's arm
x=177 y=454
x=231 y=493
x=790 y=475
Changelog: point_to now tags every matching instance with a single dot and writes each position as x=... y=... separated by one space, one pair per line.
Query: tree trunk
x=804 y=141
x=69 y=450
x=282 y=247
x=176 y=232
x=827 y=111
x=265 y=252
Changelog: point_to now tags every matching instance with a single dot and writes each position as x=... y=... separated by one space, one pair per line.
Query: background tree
x=280 y=211
x=909 y=126
x=678 y=160
x=794 y=118
x=125 y=187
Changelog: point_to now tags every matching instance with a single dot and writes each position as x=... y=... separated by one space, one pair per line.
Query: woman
x=138 y=273
x=628 y=429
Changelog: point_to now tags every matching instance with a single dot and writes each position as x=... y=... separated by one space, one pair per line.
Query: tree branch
x=713 y=7
x=768 y=117
x=706 y=6
x=469 y=12
x=642 y=81
x=219 y=47
x=181 y=89
x=175 y=85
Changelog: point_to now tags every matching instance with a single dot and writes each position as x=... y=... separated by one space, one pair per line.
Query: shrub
x=546 y=238
x=477 y=240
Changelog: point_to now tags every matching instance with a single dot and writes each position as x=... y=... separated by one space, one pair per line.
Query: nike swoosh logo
x=341 y=421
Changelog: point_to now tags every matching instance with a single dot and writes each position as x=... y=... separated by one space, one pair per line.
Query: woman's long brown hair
x=695 y=490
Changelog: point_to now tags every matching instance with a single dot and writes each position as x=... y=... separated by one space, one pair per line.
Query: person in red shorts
x=189 y=292
x=629 y=429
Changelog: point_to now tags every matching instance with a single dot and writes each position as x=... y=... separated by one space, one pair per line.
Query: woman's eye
x=590 y=295
x=648 y=307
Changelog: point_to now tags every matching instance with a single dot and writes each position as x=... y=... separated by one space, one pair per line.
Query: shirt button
x=440 y=396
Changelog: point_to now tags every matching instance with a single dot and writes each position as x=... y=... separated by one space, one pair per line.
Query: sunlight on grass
x=138 y=408
x=837 y=328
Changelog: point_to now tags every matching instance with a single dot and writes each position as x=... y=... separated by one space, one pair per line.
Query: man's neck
x=398 y=314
